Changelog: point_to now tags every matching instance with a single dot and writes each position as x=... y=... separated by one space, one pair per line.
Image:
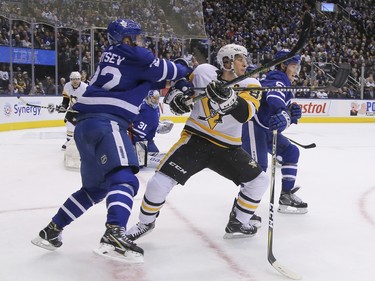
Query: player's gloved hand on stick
x=60 y=108
x=177 y=102
x=295 y=112
x=279 y=121
x=51 y=108
x=225 y=97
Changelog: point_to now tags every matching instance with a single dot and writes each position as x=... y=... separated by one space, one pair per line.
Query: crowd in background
x=263 y=27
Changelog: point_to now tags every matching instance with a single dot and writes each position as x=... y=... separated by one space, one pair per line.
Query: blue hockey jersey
x=123 y=78
x=273 y=102
x=146 y=123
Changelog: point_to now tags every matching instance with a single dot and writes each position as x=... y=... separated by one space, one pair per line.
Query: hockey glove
x=224 y=97
x=60 y=108
x=279 y=121
x=164 y=127
x=51 y=108
x=177 y=102
x=71 y=116
x=295 y=112
x=183 y=64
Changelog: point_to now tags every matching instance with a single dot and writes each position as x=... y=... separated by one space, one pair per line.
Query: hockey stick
x=271 y=258
x=339 y=81
x=306 y=146
x=51 y=107
x=304 y=35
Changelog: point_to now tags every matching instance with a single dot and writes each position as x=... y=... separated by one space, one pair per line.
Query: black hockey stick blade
x=306 y=146
x=304 y=35
x=342 y=75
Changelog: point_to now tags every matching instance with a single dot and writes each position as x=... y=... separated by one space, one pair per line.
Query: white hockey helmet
x=230 y=51
x=152 y=98
x=75 y=75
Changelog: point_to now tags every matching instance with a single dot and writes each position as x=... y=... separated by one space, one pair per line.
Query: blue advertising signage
x=24 y=56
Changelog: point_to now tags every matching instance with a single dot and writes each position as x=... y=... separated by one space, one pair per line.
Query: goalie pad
x=141 y=150
x=72 y=160
x=164 y=127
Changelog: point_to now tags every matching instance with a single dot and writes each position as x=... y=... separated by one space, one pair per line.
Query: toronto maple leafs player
x=147 y=123
x=125 y=74
x=211 y=139
x=277 y=112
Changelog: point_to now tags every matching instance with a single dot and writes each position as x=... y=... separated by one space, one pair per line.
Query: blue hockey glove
x=183 y=63
x=295 y=112
x=177 y=102
x=279 y=121
x=184 y=86
x=224 y=97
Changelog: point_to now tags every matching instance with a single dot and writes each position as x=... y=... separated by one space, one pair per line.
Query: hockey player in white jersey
x=73 y=90
x=211 y=139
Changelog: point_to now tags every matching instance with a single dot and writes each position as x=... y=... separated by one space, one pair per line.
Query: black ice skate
x=115 y=245
x=49 y=237
x=256 y=221
x=139 y=230
x=236 y=229
x=289 y=203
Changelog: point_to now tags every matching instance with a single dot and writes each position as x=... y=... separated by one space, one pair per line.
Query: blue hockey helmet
x=296 y=59
x=121 y=28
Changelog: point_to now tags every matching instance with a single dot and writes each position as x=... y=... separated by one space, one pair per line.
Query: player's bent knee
x=291 y=155
x=124 y=175
x=257 y=187
x=95 y=195
x=159 y=186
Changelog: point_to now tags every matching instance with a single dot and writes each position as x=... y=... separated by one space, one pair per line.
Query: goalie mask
x=152 y=98
x=230 y=52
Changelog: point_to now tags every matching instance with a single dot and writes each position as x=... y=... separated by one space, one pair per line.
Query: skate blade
x=291 y=210
x=43 y=244
x=237 y=235
x=109 y=252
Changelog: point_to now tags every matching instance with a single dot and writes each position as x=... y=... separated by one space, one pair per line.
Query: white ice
x=335 y=240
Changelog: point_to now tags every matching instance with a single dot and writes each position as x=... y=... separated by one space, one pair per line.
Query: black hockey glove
x=71 y=116
x=51 y=108
x=177 y=102
x=224 y=97
x=61 y=108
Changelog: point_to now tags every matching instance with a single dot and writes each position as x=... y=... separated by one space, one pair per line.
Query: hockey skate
x=139 y=230
x=49 y=237
x=235 y=229
x=289 y=203
x=116 y=246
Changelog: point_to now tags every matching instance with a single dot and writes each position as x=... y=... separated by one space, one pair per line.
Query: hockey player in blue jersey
x=277 y=112
x=146 y=123
x=125 y=74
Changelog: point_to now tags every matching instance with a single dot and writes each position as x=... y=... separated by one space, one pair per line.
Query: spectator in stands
x=61 y=85
x=4 y=79
x=49 y=87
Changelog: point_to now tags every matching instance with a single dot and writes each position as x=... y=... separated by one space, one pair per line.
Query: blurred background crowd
x=72 y=33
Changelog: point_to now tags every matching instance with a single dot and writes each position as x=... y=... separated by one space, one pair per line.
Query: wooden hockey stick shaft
x=270 y=256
